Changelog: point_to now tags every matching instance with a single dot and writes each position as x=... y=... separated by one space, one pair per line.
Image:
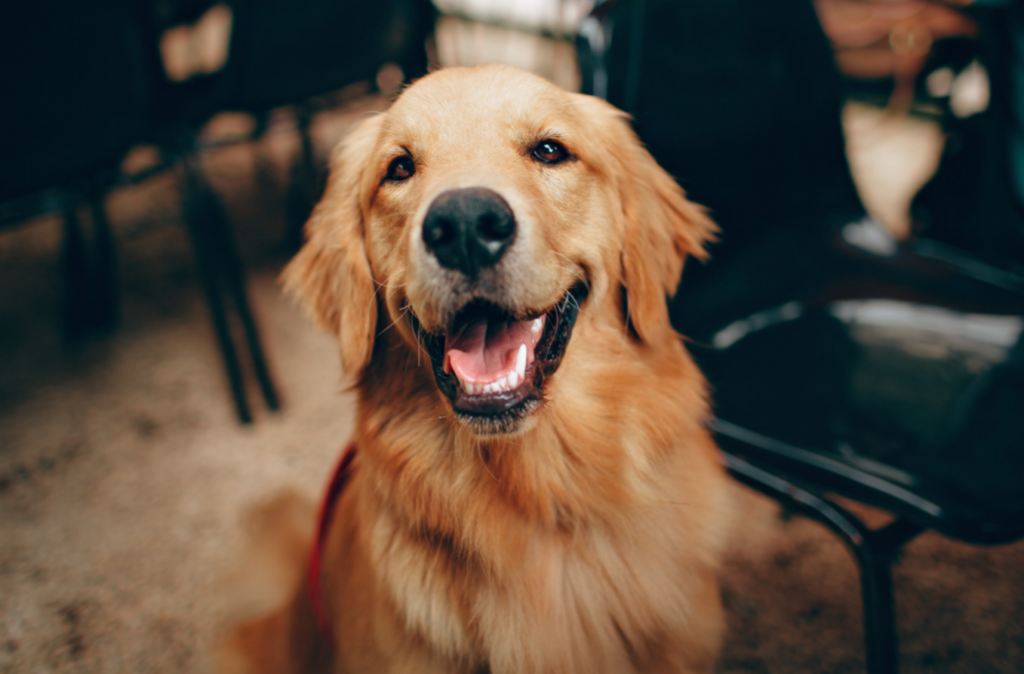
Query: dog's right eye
x=550 y=152
x=400 y=168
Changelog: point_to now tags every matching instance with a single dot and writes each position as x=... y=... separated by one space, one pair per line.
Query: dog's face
x=480 y=216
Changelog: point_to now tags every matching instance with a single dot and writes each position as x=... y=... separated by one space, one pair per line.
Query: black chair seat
x=910 y=406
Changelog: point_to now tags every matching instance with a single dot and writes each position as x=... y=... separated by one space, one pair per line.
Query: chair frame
x=804 y=481
x=874 y=550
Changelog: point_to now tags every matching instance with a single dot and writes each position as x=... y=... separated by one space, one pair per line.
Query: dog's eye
x=550 y=152
x=400 y=168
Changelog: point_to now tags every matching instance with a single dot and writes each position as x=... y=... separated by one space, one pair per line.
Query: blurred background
x=860 y=320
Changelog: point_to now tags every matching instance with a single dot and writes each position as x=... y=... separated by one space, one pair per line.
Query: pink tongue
x=485 y=349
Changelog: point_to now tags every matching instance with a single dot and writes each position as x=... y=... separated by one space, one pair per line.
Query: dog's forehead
x=451 y=105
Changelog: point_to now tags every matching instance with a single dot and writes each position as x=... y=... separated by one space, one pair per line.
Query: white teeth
x=537 y=324
x=506 y=383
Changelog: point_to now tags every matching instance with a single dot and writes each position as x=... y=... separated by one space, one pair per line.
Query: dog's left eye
x=400 y=168
x=550 y=152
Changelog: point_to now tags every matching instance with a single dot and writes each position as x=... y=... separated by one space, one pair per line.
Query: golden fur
x=587 y=538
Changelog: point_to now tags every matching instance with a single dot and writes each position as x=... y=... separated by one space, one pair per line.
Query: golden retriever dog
x=533 y=487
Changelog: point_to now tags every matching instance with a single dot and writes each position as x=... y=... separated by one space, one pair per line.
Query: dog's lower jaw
x=515 y=421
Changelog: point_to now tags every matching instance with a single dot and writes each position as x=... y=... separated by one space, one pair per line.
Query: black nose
x=469 y=229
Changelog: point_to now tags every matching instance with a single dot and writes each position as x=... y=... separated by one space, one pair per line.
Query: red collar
x=340 y=478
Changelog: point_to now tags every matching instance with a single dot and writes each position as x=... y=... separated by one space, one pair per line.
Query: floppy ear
x=331 y=274
x=662 y=228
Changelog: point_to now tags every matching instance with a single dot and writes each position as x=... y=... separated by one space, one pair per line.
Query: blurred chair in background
x=86 y=82
x=77 y=96
x=278 y=54
x=287 y=54
x=842 y=361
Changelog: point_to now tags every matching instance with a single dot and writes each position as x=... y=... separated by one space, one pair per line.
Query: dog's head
x=482 y=216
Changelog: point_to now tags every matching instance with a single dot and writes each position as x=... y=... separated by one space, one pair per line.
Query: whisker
x=387 y=284
x=394 y=322
x=418 y=337
x=574 y=268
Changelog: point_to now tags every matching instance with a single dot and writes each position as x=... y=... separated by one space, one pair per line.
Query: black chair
x=77 y=97
x=86 y=83
x=842 y=362
x=288 y=54
x=281 y=54
x=83 y=89
x=885 y=393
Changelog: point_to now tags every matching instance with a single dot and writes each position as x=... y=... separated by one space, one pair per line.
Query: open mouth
x=492 y=365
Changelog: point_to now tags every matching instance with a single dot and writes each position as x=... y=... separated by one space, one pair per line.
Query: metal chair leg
x=76 y=274
x=263 y=165
x=199 y=221
x=105 y=290
x=875 y=553
x=873 y=550
x=304 y=189
x=234 y=274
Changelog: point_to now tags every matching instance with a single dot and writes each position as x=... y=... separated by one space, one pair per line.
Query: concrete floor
x=124 y=477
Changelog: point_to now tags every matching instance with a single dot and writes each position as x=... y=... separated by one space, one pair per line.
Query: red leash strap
x=334 y=489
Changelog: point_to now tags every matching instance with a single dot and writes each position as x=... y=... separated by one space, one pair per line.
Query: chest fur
x=588 y=601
